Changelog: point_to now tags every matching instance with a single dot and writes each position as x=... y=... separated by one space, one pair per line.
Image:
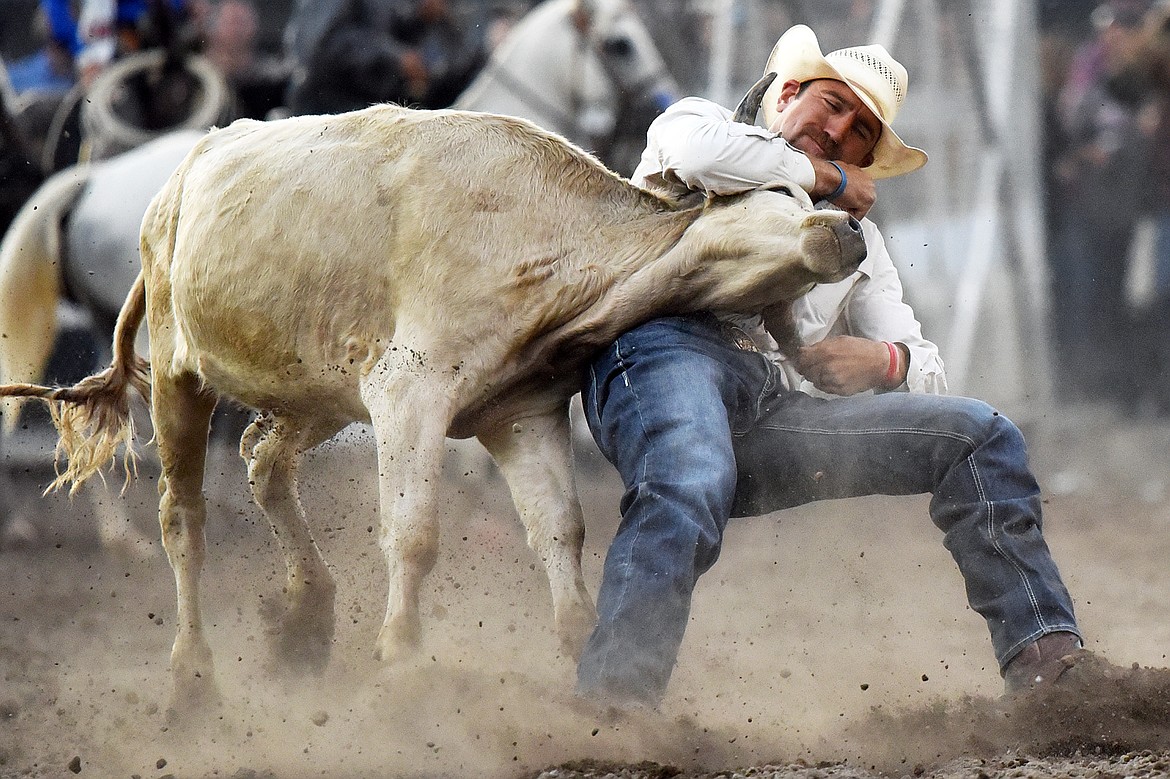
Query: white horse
x=586 y=69
x=78 y=232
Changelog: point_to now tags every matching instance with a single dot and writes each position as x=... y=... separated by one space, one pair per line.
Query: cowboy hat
x=877 y=79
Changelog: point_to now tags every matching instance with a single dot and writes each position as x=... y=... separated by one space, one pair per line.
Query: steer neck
x=621 y=287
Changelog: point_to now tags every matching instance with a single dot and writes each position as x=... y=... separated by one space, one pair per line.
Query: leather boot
x=1040 y=663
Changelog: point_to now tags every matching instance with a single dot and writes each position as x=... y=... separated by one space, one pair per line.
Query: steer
x=434 y=273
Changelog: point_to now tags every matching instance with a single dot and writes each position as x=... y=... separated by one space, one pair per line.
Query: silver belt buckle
x=742 y=340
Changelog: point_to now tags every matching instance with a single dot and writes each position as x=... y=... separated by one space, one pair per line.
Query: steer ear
x=787 y=188
x=779 y=186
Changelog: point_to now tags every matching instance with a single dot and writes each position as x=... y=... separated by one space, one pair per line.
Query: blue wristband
x=840 y=190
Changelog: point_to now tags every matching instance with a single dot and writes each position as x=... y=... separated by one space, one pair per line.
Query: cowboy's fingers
x=810 y=359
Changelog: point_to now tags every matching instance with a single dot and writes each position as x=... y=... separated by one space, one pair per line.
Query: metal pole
x=719 y=83
x=985 y=252
x=886 y=21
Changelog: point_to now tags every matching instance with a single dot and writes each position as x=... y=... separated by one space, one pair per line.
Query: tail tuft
x=93 y=420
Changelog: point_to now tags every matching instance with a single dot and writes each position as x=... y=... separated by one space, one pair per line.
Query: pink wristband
x=892 y=371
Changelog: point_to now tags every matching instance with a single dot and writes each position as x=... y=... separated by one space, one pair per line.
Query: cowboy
x=706 y=418
x=100 y=30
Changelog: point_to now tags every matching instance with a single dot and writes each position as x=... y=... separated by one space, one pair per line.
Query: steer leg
x=182 y=418
x=536 y=457
x=301 y=630
x=409 y=409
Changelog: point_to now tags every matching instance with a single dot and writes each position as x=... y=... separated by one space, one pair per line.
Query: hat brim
x=797 y=56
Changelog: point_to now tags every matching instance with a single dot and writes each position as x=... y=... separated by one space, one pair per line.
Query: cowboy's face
x=828 y=121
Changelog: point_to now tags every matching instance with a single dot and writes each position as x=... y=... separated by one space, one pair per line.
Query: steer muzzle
x=834 y=244
x=852 y=242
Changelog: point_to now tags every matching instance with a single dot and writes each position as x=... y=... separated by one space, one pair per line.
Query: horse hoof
x=17 y=533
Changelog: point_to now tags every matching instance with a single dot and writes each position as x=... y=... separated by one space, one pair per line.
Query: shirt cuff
x=806 y=175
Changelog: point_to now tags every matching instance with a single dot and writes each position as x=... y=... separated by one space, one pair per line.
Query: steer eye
x=618 y=47
x=783 y=190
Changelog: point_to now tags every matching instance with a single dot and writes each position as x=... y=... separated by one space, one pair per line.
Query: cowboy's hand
x=844 y=365
x=860 y=192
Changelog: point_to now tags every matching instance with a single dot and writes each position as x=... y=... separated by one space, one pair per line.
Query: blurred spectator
x=501 y=18
x=258 y=81
x=1063 y=26
x=102 y=30
x=49 y=69
x=231 y=27
x=19 y=175
x=1153 y=324
x=1100 y=178
x=349 y=54
x=38 y=82
x=95 y=33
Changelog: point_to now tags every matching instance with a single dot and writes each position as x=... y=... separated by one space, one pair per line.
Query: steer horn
x=750 y=105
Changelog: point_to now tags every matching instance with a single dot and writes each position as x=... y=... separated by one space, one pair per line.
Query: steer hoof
x=193 y=676
x=573 y=628
x=301 y=652
x=194 y=696
x=398 y=639
x=300 y=633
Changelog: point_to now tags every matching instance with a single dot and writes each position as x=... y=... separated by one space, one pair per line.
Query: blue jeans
x=701 y=431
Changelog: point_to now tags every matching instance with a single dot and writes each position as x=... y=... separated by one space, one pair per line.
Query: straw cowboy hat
x=877 y=78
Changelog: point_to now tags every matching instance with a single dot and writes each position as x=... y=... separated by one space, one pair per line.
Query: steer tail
x=30 y=283
x=93 y=416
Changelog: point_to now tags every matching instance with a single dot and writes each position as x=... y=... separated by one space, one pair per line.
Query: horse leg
x=181 y=411
x=116 y=530
x=13 y=530
x=301 y=629
x=410 y=413
x=536 y=457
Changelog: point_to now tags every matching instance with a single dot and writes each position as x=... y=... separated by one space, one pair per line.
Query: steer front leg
x=536 y=457
x=781 y=325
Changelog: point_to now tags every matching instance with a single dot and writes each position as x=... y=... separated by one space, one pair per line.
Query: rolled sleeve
x=695 y=146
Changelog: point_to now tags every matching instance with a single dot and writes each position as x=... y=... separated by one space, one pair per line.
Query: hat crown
x=871 y=68
x=877 y=79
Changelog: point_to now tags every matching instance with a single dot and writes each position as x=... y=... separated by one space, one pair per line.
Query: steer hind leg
x=182 y=417
x=410 y=410
x=301 y=627
x=536 y=457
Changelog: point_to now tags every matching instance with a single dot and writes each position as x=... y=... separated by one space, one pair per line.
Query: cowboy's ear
x=865 y=163
x=787 y=93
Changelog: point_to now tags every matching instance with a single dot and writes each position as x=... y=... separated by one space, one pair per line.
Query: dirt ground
x=832 y=640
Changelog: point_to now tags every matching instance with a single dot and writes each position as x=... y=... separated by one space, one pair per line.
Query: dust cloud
x=834 y=635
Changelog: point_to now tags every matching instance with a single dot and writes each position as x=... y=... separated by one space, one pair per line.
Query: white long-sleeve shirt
x=695 y=147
